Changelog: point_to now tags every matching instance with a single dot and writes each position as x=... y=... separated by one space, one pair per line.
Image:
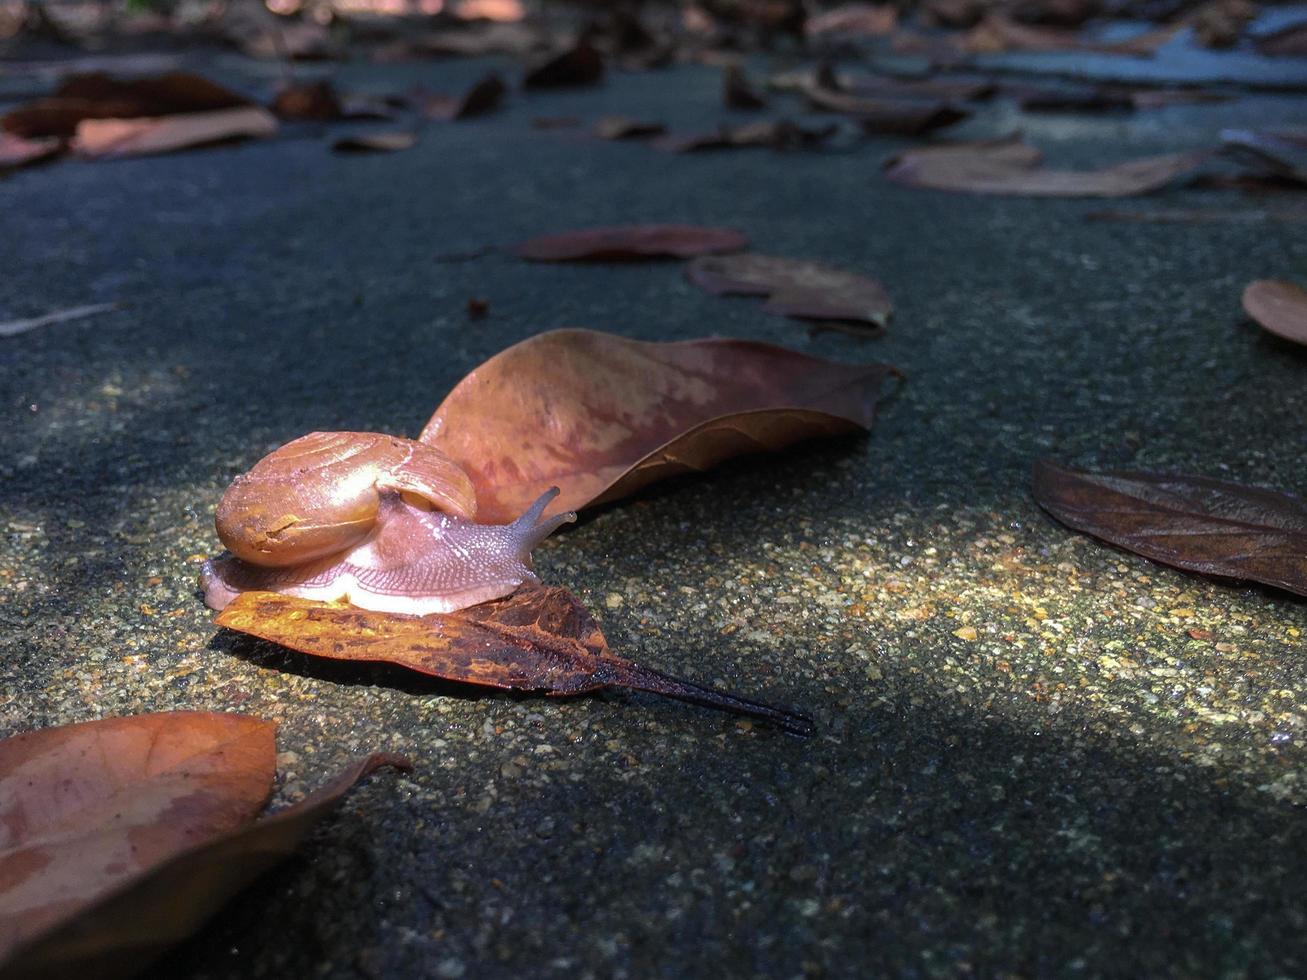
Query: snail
x=381 y=522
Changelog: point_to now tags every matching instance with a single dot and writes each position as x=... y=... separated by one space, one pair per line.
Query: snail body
x=380 y=522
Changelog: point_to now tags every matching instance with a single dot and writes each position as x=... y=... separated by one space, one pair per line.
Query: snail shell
x=321 y=493
x=382 y=522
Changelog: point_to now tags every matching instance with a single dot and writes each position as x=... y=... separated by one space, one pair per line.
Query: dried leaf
x=582 y=64
x=390 y=142
x=1278 y=306
x=630 y=242
x=1278 y=153
x=781 y=134
x=1010 y=167
x=1288 y=42
x=623 y=128
x=1189 y=522
x=601 y=416
x=172 y=872
x=315 y=101
x=900 y=116
x=164 y=134
x=482 y=98
x=738 y=92
x=537 y=639
x=854 y=20
x=15 y=327
x=806 y=290
x=15 y=151
x=86 y=808
x=95 y=95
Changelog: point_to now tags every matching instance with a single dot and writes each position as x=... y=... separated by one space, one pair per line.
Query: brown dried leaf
x=631 y=242
x=581 y=64
x=1278 y=153
x=316 y=101
x=901 y=116
x=805 y=290
x=780 y=134
x=116 y=932
x=482 y=98
x=1010 y=167
x=623 y=128
x=601 y=416
x=86 y=808
x=1288 y=42
x=537 y=639
x=1189 y=522
x=854 y=20
x=164 y=134
x=1278 y=306
x=390 y=142
x=738 y=92
x=95 y=95
x=15 y=151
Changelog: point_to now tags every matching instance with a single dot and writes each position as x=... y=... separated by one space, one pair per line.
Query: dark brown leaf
x=537 y=639
x=1189 y=522
x=1288 y=42
x=307 y=100
x=1102 y=99
x=806 y=290
x=601 y=416
x=482 y=98
x=165 y=893
x=579 y=65
x=1278 y=306
x=1010 y=167
x=738 y=92
x=164 y=134
x=389 y=142
x=623 y=128
x=630 y=242
x=781 y=134
x=96 y=95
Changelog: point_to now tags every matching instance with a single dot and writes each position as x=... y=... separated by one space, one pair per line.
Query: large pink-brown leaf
x=214 y=847
x=1010 y=167
x=1190 y=522
x=601 y=416
x=627 y=242
x=86 y=808
x=795 y=287
x=1278 y=306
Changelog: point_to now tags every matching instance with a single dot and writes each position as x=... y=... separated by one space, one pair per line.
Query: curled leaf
x=1189 y=522
x=537 y=639
x=626 y=242
x=482 y=98
x=118 y=838
x=806 y=290
x=1279 y=307
x=1011 y=167
x=95 y=95
x=579 y=65
x=164 y=134
x=601 y=416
